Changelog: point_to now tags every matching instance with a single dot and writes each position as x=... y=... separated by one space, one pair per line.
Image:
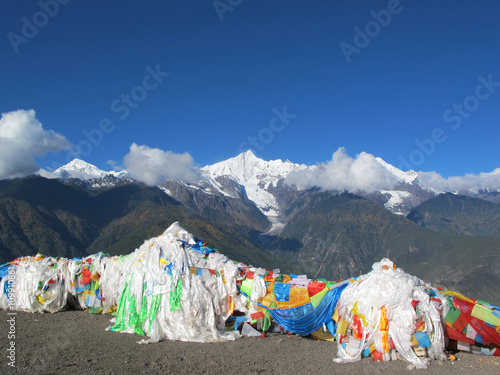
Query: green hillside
x=47 y=216
x=458 y=214
x=339 y=236
x=328 y=236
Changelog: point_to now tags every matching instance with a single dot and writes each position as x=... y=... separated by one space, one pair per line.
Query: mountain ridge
x=263 y=181
x=326 y=234
x=458 y=214
x=333 y=234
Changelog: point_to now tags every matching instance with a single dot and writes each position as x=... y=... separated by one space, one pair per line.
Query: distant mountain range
x=458 y=214
x=246 y=207
x=265 y=182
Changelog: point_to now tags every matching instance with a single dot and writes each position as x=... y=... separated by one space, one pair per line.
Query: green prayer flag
x=144 y=309
x=120 y=312
x=246 y=286
x=142 y=316
x=175 y=297
x=267 y=321
x=318 y=297
x=154 y=309
x=132 y=318
x=452 y=315
x=485 y=315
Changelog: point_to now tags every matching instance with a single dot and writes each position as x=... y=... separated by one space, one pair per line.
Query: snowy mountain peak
x=247 y=154
x=82 y=170
x=265 y=182
x=247 y=167
x=406 y=177
x=78 y=168
x=257 y=176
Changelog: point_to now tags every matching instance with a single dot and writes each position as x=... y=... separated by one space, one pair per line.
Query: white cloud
x=362 y=173
x=22 y=137
x=154 y=166
x=470 y=181
x=47 y=174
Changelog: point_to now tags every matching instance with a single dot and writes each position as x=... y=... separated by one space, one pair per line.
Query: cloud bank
x=22 y=137
x=470 y=181
x=344 y=173
x=154 y=166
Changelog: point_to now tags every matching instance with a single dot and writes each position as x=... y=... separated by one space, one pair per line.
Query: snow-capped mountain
x=406 y=193
x=401 y=176
x=88 y=175
x=263 y=183
x=258 y=177
x=82 y=170
x=249 y=203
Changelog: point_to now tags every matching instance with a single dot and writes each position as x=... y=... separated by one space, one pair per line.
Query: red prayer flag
x=458 y=336
x=85 y=278
x=258 y=315
x=315 y=288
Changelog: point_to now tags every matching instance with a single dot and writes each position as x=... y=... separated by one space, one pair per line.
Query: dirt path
x=76 y=342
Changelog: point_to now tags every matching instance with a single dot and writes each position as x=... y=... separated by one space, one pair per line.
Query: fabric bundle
x=176 y=287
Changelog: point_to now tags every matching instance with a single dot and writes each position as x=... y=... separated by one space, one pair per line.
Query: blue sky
x=415 y=83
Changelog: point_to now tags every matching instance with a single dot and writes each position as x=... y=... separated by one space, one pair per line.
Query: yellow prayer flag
x=342 y=327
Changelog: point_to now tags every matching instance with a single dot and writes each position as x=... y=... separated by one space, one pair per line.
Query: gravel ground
x=76 y=342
